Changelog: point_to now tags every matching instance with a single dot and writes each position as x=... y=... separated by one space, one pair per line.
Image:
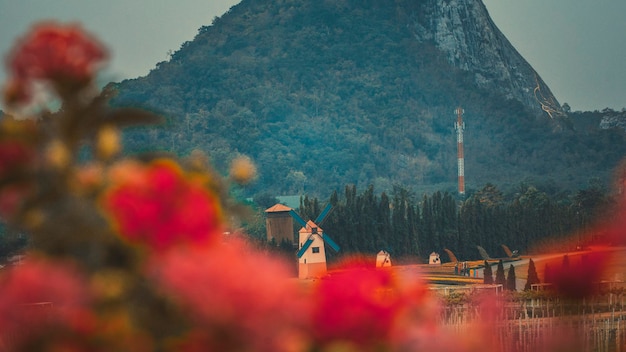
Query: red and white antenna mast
x=459 y=126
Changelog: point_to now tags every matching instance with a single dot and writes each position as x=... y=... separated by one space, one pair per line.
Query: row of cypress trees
x=407 y=227
x=509 y=282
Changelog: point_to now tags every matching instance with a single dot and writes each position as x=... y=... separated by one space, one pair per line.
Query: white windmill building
x=383 y=259
x=311 y=239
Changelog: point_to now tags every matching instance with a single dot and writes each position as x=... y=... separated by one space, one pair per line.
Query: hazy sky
x=577 y=46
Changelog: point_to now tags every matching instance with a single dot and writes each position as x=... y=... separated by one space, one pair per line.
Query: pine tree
x=368 y=208
x=384 y=223
x=533 y=278
x=428 y=230
x=500 y=278
x=488 y=274
x=510 y=279
x=350 y=217
x=400 y=220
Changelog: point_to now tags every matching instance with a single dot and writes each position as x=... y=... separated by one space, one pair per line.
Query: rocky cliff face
x=472 y=42
x=612 y=119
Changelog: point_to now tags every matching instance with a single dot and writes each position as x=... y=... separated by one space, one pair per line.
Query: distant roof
x=290 y=201
x=277 y=208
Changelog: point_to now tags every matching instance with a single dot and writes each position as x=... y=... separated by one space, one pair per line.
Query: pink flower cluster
x=238 y=298
x=244 y=300
x=52 y=52
x=359 y=306
x=159 y=206
x=47 y=301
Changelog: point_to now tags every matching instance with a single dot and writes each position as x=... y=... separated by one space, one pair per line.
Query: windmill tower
x=279 y=224
x=311 y=240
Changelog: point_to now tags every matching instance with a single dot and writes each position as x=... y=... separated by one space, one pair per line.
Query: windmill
x=311 y=240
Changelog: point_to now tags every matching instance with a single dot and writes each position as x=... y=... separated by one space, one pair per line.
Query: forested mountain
x=321 y=94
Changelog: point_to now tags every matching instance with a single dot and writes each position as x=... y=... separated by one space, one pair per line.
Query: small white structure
x=383 y=259
x=434 y=259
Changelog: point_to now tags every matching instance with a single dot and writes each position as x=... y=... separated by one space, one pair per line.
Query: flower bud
x=108 y=142
x=242 y=170
x=109 y=284
x=87 y=178
x=58 y=155
x=34 y=219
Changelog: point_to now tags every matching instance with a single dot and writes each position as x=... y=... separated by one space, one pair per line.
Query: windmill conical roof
x=277 y=208
x=310 y=225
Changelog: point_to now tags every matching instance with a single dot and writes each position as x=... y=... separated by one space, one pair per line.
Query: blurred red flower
x=12 y=197
x=159 y=206
x=14 y=155
x=38 y=298
x=239 y=298
x=54 y=52
x=579 y=280
x=364 y=308
x=17 y=160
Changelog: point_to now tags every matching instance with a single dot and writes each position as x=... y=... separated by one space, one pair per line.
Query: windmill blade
x=297 y=217
x=483 y=253
x=305 y=246
x=507 y=250
x=451 y=255
x=322 y=216
x=330 y=242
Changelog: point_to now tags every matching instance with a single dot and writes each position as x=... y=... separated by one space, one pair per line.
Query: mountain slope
x=326 y=93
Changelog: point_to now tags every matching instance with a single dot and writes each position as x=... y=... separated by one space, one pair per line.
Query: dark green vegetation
x=410 y=228
x=532 y=276
x=500 y=278
x=510 y=279
x=321 y=94
x=487 y=274
x=11 y=243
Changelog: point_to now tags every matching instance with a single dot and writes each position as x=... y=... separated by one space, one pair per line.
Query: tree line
x=410 y=228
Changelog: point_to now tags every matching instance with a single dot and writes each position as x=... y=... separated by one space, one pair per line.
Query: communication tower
x=459 y=126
